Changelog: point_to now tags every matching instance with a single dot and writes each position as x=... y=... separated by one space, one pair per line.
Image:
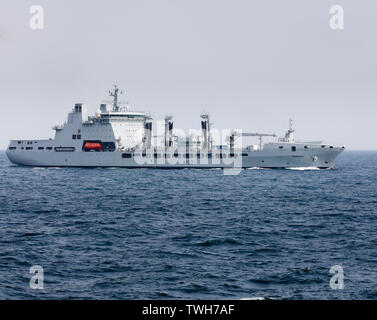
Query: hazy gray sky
x=252 y=64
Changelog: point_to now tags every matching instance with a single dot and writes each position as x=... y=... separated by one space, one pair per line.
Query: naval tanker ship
x=116 y=136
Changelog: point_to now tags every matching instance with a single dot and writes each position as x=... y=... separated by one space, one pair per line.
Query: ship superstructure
x=119 y=137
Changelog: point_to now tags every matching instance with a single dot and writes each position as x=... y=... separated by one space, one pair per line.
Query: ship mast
x=289 y=134
x=115 y=95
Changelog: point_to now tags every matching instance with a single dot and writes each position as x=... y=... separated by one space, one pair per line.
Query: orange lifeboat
x=93 y=146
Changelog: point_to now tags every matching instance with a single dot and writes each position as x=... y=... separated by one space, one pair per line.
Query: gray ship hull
x=317 y=157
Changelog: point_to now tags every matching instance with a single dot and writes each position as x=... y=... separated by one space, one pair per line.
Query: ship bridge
x=112 y=123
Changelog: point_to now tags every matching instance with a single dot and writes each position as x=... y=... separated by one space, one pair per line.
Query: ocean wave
x=214 y=242
x=147 y=234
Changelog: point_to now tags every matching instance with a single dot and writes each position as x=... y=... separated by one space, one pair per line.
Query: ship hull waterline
x=323 y=159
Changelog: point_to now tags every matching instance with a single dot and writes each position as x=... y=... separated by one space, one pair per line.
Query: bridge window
x=305 y=147
x=79 y=136
x=48 y=148
x=29 y=148
x=281 y=147
x=126 y=155
x=293 y=148
x=12 y=148
x=41 y=148
x=74 y=137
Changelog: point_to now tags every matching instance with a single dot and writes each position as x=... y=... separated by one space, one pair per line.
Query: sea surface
x=189 y=234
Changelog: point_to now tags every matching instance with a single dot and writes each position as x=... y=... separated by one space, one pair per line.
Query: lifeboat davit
x=93 y=146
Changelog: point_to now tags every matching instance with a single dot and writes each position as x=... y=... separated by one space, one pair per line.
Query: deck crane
x=237 y=134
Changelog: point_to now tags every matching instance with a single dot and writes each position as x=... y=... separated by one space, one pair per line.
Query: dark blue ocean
x=189 y=234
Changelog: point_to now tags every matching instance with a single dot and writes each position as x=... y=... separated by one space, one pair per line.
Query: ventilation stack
x=168 y=131
x=148 y=133
x=205 y=130
x=231 y=143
